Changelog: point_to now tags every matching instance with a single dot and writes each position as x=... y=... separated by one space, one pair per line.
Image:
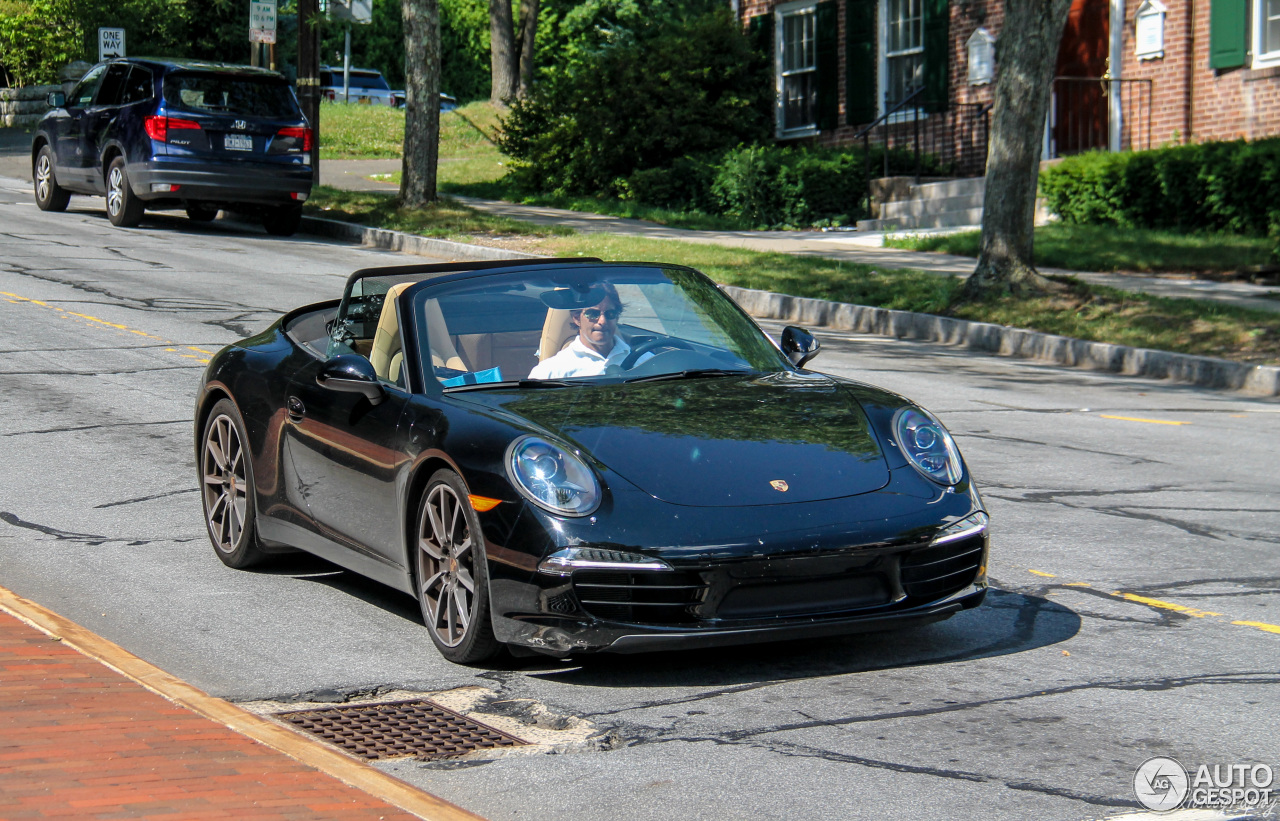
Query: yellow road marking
x=1261 y=625
x=1042 y=573
x=15 y=298
x=1164 y=605
x=1137 y=419
x=1078 y=584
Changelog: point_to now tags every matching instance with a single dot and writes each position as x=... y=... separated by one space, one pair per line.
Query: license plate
x=237 y=142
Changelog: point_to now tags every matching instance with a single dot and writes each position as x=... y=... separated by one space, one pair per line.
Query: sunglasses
x=593 y=314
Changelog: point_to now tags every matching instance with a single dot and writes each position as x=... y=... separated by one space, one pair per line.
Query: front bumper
x=225 y=184
x=565 y=636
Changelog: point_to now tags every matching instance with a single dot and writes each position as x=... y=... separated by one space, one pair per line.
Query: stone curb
x=1202 y=371
x=407 y=243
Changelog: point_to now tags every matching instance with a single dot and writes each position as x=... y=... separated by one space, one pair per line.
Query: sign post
x=262 y=25
x=110 y=43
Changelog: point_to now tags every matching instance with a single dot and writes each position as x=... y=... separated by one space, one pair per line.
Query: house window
x=797 y=59
x=1266 y=37
x=903 y=49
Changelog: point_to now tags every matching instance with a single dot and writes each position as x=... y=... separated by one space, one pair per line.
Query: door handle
x=295 y=407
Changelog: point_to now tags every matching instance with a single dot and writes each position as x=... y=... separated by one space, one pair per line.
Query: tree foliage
x=640 y=84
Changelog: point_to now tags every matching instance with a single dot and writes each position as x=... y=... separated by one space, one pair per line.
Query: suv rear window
x=230 y=94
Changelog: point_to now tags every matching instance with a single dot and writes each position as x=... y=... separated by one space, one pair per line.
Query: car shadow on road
x=1006 y=623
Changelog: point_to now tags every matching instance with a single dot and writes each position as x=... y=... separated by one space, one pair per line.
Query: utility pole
x=309 y=74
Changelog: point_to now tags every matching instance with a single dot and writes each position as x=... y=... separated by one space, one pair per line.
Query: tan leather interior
x=557 y=331
x=387 y=352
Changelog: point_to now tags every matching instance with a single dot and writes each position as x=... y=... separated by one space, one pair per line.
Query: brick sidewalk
x=79 y=740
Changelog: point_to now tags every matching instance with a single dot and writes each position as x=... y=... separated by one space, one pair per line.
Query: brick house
x=1175 y=70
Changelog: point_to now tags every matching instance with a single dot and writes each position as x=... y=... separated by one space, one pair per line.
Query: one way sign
x=110 y=43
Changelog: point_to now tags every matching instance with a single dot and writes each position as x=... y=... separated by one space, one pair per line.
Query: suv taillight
x=158 y=127
x=304 y=134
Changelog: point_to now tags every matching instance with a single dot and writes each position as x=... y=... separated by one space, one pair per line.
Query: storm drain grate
x=398 y=728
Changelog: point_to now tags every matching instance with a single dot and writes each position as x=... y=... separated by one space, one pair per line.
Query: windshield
x=222 y=93
x=590 y=323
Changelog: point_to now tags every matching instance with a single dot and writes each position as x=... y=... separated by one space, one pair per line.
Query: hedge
x=1216 y=186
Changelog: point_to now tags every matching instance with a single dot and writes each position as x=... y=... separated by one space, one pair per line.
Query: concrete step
x=949 y=188
x=921 y=207
x=948 y=219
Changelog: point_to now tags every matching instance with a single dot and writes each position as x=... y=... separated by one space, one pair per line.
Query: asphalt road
x=1136 y=541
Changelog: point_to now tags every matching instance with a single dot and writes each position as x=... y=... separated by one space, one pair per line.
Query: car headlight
x=927 y=445
x=551 y=477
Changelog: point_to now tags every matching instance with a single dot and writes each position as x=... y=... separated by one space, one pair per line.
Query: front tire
x=282 y=221
x=49 y=195
x=123 y=208
x=226 y=488
x=452 y=574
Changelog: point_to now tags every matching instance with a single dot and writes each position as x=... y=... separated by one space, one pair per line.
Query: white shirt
x=579 y=360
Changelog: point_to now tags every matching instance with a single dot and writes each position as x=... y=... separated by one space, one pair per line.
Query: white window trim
x=1258 y=23
x=882 y=72
x=780 y=11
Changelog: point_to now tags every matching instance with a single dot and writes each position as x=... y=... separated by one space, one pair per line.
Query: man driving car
x=596 y=346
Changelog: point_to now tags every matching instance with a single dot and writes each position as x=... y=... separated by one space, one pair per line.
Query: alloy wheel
x=447 y=566
x=225 y=484
x=44 y=177
x=115 y=191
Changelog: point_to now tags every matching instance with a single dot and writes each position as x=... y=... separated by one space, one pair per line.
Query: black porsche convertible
x=565 y=456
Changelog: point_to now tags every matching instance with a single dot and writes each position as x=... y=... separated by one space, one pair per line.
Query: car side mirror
x=799 y=345
x=351 y=373
x=55 y=99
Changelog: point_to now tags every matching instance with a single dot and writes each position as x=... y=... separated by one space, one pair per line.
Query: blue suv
x=156 y=133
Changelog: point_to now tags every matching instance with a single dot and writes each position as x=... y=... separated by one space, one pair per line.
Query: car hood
x=715 y=441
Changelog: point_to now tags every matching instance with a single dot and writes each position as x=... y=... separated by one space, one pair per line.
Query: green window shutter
x=1228 y=33
x=861 y=85
x=828 y=65
x=937 y=54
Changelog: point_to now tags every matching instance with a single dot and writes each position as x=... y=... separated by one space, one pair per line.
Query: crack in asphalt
x=1129 y=458
x=147 y=498
x=161 y=304
x=74 y=428
x=86 y=538
x=1152 y=685
x=804 y=751
x=194 y=364
x=1057 y=497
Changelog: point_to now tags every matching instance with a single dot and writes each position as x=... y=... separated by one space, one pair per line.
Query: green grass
x=444 y=220
x=349 y=131
x=1099 y=248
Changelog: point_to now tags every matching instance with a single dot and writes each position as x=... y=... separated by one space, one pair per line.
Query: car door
x=347 y=455
x=70 y=160
x=98 y=119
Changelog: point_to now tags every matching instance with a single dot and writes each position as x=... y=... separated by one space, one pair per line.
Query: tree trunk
x=422 y=102
x=527 y=37
x=504 y=72
x=1028 y=54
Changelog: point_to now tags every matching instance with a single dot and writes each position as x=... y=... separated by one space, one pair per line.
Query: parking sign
x=110 y=43
x=262 y=21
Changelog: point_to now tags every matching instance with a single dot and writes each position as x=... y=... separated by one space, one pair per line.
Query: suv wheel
x=49 y=195
x=123 y=208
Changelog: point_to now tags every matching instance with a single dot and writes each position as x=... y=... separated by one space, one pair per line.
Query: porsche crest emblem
x=780 y=485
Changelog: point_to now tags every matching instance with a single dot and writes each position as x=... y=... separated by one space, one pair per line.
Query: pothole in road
x=467 y=723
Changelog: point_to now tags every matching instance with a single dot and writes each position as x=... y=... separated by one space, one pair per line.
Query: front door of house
x=1079 y=116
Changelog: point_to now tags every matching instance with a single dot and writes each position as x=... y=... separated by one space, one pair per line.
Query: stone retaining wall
x=23 y=107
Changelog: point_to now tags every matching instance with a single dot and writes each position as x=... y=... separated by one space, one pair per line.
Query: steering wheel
x=645 y=347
